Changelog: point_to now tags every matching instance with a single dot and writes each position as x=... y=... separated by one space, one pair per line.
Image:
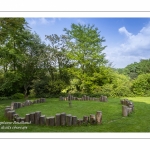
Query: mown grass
x=112 y=120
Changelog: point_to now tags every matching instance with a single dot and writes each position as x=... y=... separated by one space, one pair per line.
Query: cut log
x=27 y=118
x=10 y=115
x=6 y=110
x=22 y=119
x=74 y=120
x=42 y=120
x=68 y=120
x=47 y=121
x=18 y=119
x=99 y=117
x=124 y=110
x=79 y=122
x=52 y=121
x=85 y=120
x=32 y=117
x=37 y=117
x=63 y=119
x=92 y=119
x=57 y=119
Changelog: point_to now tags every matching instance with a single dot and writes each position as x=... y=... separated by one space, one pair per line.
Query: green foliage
x=141 y=85
x=17 y=96
x=4 y=98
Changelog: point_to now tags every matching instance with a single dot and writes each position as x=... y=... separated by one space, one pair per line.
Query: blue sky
x=127 y=39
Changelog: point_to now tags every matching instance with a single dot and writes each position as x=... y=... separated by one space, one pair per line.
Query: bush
x=17 y=96
x=4 y=98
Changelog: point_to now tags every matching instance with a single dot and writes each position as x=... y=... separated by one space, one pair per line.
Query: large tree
x=85 y=50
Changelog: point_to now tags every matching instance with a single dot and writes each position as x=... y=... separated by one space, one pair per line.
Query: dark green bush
x=17 y=96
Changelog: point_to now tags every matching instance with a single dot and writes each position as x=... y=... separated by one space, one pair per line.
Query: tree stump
x=74 y=120
x=42 y=120
x=18 y=105
x=15 y=116
x=79 y=122
x=124 y=110
x=22 y=119
x=52 y=121
x=99 y=117
x=85 y=120
x=38 y=101
x=10 y=115
x=18 y=119
x=92 y=119
x=57 y=119
x=27 y=118
x=37 y=117
x=32 y=117
x=47 y=121
x=68 y=120
x=131 y=106
x=6 y=110
x=129 y=110
x=63 y=119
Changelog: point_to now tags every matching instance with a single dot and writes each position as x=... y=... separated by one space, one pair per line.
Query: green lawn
x=112 y=120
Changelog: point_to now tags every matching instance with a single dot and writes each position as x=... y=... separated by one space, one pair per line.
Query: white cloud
x=134 y=48
x=47 y=21
x=123 y=30
x=32 y=22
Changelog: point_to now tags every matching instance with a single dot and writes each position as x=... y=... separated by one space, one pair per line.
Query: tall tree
x=85 y=50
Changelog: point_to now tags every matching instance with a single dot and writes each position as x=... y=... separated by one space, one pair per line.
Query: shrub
x=17 y=96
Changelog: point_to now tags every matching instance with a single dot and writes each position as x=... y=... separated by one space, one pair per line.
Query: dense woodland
x=70 y=63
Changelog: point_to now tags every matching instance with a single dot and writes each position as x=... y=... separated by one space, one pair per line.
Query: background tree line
x=70 y=63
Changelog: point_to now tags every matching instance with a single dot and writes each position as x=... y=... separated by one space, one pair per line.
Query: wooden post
x=92 y=119
x=47 y=121
x=6 y=110
x=131 y=106
x=18 y=105
x=85 y=120
x=63 y=119
x=22 y=119
x=18 y=119
x=10 y=115
x=129 y=110
x=37 y=117
x=79 y=121
x=57 y=118
x=15 y=116
x=52 y=121
x=32 y=117
x=42 y=120
x=99 y=117
x=124 y=110
x=74 y=120
x=27 y=118
x=68 y=120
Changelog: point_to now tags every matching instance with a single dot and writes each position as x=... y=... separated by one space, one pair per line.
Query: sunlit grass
x=112 y=120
